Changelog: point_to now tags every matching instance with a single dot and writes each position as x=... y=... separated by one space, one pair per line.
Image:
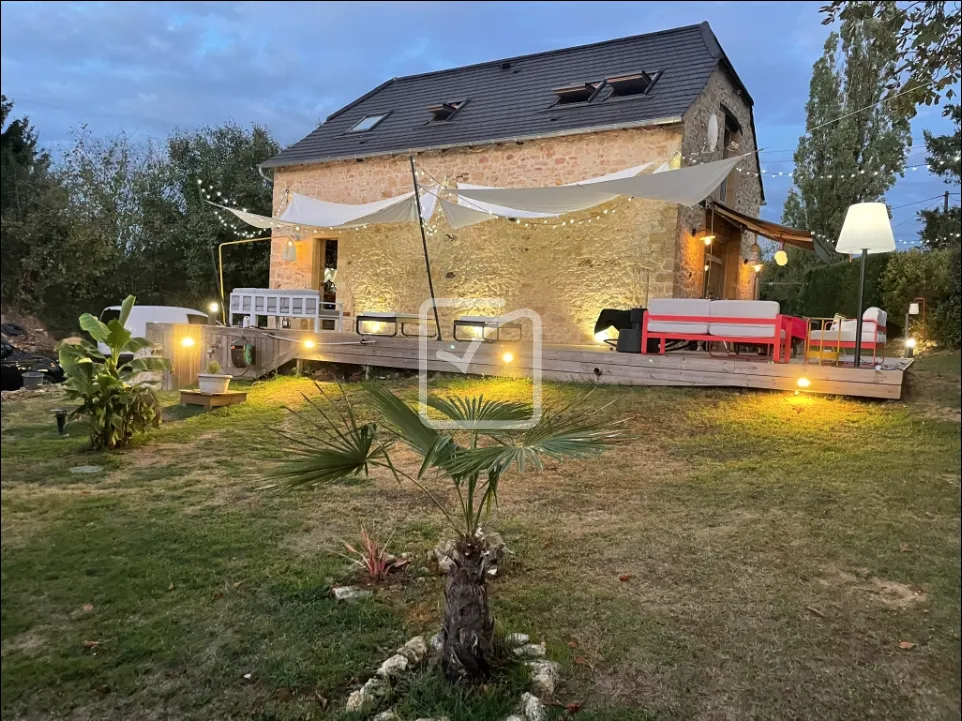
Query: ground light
x=601 y=336
x=187 y=342
x=308 y=343
x=910 y=347
x=507 y=357
x=803 y=382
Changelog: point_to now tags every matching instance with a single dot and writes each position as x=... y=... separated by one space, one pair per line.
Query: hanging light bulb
x=781 y=257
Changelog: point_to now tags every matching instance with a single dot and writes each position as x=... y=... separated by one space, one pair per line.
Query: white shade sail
x=866 y=227
x=685 y=186
x=476 y=204
x=304 y=211
x=470 y=212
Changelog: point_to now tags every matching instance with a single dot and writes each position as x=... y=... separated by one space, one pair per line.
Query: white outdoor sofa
x=758 y=322
x=286 y=303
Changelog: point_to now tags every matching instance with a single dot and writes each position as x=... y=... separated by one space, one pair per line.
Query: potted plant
x=213 y=381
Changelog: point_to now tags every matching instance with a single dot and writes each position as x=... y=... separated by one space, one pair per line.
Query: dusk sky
x=150 y=67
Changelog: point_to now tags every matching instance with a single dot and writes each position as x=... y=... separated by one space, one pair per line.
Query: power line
x=916 y=202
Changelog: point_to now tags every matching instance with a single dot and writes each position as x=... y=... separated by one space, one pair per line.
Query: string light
x=906 y=242
x=695 y=158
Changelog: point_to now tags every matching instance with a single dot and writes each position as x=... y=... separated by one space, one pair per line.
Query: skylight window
x=633 y=84
x=368 y=123
x=445 y=111
x=571 y=94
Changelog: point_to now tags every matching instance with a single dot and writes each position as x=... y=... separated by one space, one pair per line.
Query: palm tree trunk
x=468 y=631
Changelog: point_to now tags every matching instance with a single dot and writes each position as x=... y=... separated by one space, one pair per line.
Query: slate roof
x=512 y=98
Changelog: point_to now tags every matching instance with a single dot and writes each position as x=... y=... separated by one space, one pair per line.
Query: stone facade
x=636 y=250
x=719 y=94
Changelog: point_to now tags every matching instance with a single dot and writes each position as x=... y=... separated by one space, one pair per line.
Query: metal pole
x=424 y=245
x=858 y=320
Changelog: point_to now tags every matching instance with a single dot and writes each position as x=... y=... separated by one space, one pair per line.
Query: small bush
x=372 y=556
x=213 y=367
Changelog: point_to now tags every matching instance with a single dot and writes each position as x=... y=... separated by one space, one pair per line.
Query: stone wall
x=690 y=255
x=565 y=273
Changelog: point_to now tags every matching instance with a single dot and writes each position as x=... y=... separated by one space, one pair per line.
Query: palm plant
x=473 y=460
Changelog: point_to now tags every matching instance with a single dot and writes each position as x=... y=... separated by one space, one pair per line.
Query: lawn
x=786 y=557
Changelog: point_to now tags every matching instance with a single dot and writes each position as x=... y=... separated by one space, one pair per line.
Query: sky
x=149 y=67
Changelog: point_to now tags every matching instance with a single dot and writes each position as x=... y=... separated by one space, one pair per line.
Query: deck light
x=308 y=343
x=601 y=336
x=709 y=239
x=187 y=342
x=803 y=382
x=213 y=306
x=507 y=357
x=757 y=267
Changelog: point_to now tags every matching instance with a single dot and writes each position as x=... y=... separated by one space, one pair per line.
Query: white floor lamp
x=867 y=229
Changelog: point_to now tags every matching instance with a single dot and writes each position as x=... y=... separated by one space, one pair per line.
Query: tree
x=28 y=202
x=225 y=158
x=852 y=150
x=113 y=216
x=941 y=227
x=92 y=260
x=928 y=45
x=473 y=460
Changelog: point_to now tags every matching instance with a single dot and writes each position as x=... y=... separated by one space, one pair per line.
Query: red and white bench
x=735 y=321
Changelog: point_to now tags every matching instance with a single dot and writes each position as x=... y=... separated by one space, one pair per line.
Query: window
x=368 y=123
x=633 y=84
x=727 y=191
x=445 y=111
x=572 y=94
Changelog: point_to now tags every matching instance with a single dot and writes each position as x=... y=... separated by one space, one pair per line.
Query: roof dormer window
x=632 y=84
x=573 y=94
x=445 y=111
x=369 y=122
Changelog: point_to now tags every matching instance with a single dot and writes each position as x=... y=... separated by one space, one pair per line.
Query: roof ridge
x=556 y=51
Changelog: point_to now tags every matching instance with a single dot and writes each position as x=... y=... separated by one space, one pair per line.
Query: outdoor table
x=482 y=323
x=398 y=321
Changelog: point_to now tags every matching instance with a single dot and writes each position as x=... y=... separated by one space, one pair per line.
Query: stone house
x=545 y=119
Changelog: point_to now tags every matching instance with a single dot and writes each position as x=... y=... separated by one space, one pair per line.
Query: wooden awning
x=773 y=231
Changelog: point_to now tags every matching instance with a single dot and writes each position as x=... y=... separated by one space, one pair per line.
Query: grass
x=778 y=549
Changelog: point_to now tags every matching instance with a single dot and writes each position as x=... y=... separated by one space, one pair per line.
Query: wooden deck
x=585 y=364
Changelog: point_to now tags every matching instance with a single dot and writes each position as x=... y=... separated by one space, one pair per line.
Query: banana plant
x=116 y=403
x=473 y=461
